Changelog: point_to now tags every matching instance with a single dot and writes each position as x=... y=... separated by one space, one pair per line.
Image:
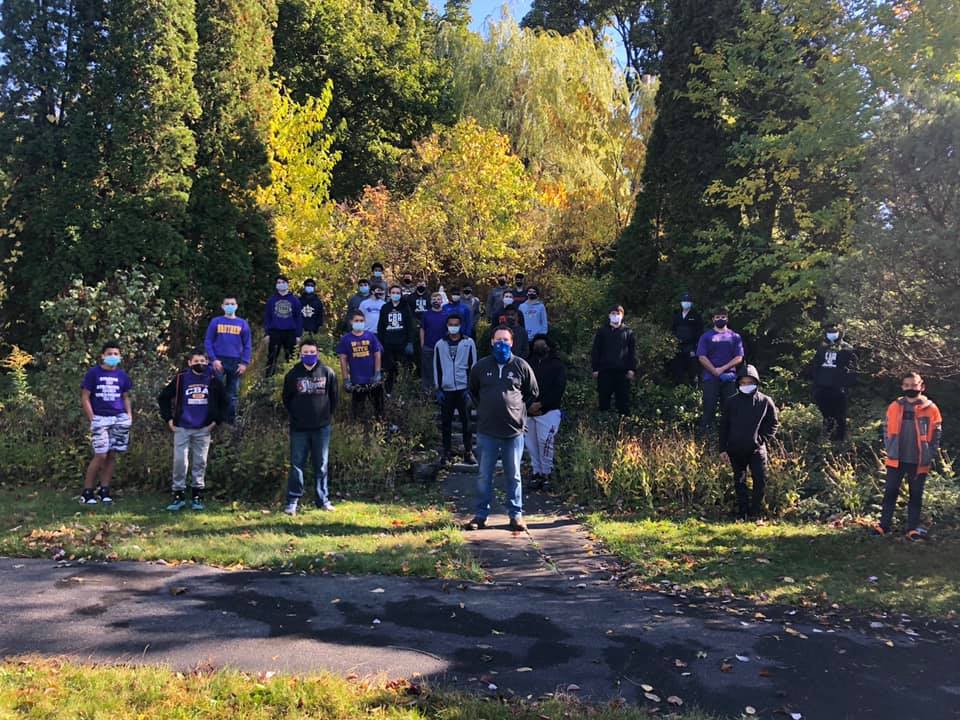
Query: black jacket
x=687 y=330
x=397 y=326
x=551 y=379
x=419 y=304
x=170 y=399
x=614 y=349
x=502 y=396
x=834 y=366
x=310 y=396
x=311 y=307
x=748 y=423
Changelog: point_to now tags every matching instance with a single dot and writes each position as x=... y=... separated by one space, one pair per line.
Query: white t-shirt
x=371 y=313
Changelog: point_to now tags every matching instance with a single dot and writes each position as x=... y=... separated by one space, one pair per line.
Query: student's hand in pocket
x=173 y=428
x=241 y=369
x=218 y=366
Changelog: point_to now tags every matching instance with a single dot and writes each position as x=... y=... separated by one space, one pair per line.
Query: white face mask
x=833 y=337
x=616 y=319
x=748 y=389
x=453 y=329
x=282 y=287
x=507 y=301
x=686 y=305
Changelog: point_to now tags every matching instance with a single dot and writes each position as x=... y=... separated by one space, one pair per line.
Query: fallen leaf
x=647 y=688
x=378 y=590
x=765 y=673
x=525 y=669
x=491 y=686
x=651 y=697
x=743 y=658
x=796 y=716
x=701 y=654
x=763 y=560
x=572 y=688
x=876 y=625
x=749 y=710
x=376 y=621
x=178 y=590
x=679 y=663
x=889 y=643
x=497 y=632
x=789 y=580
x=674 y=700
x=726 y=667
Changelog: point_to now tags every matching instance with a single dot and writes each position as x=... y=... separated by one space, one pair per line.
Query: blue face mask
x=309 y=289
x=833 y=336
x=111 y=360
x=230 y=308
x=502 y=352
x=358 y=326
x=309 y=359
x=378 y=274
x=364 y=289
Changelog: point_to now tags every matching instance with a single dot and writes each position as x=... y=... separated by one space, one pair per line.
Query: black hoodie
x=311 y=307
x=748 y=422
x=551 y=376
x=397 y=326
x=310 y=396
x=834 y=366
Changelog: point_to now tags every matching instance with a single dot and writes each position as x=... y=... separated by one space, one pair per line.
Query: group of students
x=517 y=391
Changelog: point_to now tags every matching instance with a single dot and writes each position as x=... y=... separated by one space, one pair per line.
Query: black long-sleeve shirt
x=614 y=348
x=748 y=423
x=310 y=396
x=552 y=380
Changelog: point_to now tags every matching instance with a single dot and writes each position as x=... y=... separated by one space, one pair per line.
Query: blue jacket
x=283 y=312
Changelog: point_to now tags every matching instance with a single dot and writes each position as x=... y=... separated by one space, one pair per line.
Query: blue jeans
x=231 y=379
x=511 y=450
x=317 y=444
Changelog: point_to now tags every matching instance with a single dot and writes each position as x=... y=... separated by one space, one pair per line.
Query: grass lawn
x=411 y=535
x=55 y=690
x=794 y=563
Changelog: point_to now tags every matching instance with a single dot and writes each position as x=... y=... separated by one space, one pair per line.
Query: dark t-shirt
x=195 y=403
x=106 y=389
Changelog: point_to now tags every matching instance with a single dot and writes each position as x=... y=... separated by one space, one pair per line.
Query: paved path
x=550 y=606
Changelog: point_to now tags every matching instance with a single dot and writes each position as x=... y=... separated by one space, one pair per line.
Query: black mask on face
x=540 y=350
x=721 y=323
x=912 y=393
x=199 y=368
x=501 y=282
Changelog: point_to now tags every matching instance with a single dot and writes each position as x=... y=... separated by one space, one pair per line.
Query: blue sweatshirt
x=534 y=318
x=283 y=312
x=463 y=310
x=228 y=338
x=434 y=327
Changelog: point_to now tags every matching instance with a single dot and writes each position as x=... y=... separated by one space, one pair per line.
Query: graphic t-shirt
x=196 y=400
x=371 y=308
x=106 y=389
x=360 y=350
x=719 y=348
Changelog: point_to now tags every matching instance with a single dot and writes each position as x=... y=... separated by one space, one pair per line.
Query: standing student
x=282 y=323
x=503 y=386
x=495 y=297
x=472 y=302
x=432 y=328
x=911 y=438
x=747 y=428
x=311 y=307
x=371 y=308
x=105 y=398
x=310 y=396
x=519 y=286
x=228 y=347
x=457 y=306
x=512 y=319
x=453 y=358
x=720 y=351
x=543 y=417
x=397 y=331
x=686 y=327
x=419 y=302
x=534 y=314
x=353 y=304
x=833 y=370
x=407 y=288
x=360 y=355
x=192 y=404
x=378 y=280
x=613 y=358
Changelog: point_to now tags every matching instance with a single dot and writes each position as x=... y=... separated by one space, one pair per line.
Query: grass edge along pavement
x=790 y=563
x=413 y=534
x=55 y=688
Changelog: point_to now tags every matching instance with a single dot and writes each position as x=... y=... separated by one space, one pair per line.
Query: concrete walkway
x=551 y=618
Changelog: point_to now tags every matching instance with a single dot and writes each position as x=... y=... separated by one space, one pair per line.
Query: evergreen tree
x=685 y=154
x=231 y=234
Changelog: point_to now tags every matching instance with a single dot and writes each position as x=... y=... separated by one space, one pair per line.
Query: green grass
x=55 y=690
x=820 y=563
x=412 y=535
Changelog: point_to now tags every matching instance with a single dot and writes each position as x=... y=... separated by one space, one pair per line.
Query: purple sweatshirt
x=283 y=312
x=228 y=338
x=434 y=327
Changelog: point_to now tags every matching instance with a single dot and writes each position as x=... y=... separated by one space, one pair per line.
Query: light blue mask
x=111 y=360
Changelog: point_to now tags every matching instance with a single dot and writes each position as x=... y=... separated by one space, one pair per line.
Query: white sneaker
x=290 y=509
x=328 y=506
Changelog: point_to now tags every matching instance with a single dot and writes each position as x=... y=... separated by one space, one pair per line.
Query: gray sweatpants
x=190 y=445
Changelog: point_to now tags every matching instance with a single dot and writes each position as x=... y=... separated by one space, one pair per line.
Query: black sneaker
x=197 y=500
x=517 y=524
x=476 y=523
x=469 y=459
x=105 y=496
x=537 y=482
x=178 y=503
x=88 y=498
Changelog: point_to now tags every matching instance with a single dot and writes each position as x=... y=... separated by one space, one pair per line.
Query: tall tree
x=230 y=231
x=389 y=86
x=686 y=153
x=97 y=99
x=638 y=24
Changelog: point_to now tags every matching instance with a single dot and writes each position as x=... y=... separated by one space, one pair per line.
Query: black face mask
x=408 y=281
x=912 y=393
x=720 y=324
x=540 y=350
x=501 y=282
x=199 y=368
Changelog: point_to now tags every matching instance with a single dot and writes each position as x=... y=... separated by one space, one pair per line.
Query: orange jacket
x=929 y=426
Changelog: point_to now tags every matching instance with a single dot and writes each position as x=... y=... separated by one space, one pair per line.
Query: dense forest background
x=795 y=160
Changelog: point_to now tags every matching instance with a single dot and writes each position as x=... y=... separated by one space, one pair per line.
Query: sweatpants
x=756 y=463
x=833 y=407
x=540 y=440
x=426 y=369
x=284 y=340
x=190 y=446
x=916 y=481
x=375 y=395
